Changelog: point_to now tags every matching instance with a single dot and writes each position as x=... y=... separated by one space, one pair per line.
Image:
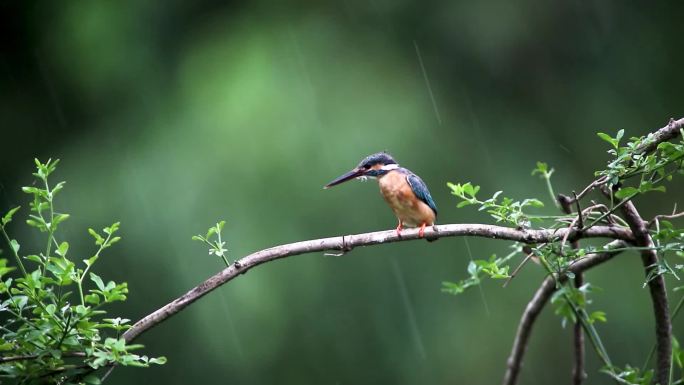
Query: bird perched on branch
x=405 y=193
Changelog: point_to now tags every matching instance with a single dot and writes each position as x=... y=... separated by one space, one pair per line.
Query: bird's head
x=371 y=166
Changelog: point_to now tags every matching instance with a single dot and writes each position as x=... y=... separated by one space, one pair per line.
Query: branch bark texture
x=347 y=243
x=663 y=134
x=658 y=291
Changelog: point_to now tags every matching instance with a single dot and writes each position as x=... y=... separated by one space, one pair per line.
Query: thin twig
x=661 y=217
x=578 y=372
x=580 y=222
x=517 y=269
x=536 y=304
x=591 y=186
x=576 y=220
x=30 y=357
x=351 y=241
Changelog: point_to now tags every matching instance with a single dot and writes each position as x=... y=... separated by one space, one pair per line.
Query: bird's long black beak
x=355 y=173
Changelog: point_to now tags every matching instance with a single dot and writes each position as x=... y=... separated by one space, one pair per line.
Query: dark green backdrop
x=171 y=115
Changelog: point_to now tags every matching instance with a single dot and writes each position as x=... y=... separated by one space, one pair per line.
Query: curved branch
x=656 y=285
x=348 y=242
x=536 y=304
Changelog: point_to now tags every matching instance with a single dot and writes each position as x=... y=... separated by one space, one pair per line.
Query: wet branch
x=540 y=298
x=346 y=243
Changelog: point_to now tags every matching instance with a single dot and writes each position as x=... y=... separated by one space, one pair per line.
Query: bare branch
x=656 y=285
x=590 y=187
x=661 y=217
x=536 y=304
x=347 y=243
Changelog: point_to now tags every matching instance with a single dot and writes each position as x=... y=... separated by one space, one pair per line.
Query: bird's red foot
x=421 y=232
x=399 y=228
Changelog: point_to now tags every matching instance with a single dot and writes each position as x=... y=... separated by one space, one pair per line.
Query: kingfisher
x=405 y=193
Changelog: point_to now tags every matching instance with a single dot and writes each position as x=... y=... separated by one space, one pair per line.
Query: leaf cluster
x=48 y=334
x=502 y=209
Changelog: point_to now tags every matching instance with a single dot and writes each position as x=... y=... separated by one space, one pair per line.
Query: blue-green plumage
x=420 y=189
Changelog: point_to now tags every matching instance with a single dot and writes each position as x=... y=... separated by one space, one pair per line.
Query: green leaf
x=62 y=249
x=98 y=281
x=20 y=301
x=34 y=258
x=533 y=202
x=92 y=298
x=608 y=139
x=6 y=346
x=626 y=192
x=98 y=238
x=598 y=316
x=8 y=217
x=31 y=190
x=90 y=261
x=111 y=229
x=15 y=245
x=4 y=269
x=159 y=360
x=59 y=218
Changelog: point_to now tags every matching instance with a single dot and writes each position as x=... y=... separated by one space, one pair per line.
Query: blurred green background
x=169 y=116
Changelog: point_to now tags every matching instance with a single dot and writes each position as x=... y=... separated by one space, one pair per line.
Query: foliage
x=504 y=209
x=48 y=336
x=216 y=246
x=631 y=172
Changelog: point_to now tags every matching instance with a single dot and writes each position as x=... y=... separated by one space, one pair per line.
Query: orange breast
x=400 y=197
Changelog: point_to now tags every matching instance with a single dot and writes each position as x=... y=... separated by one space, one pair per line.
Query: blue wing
x=420 y=189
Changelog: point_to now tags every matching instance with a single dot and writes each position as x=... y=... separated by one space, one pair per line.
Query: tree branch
x=344 y=244
x=348 y=242
x=540 y=298
x=664 y=134
x=658 y=291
